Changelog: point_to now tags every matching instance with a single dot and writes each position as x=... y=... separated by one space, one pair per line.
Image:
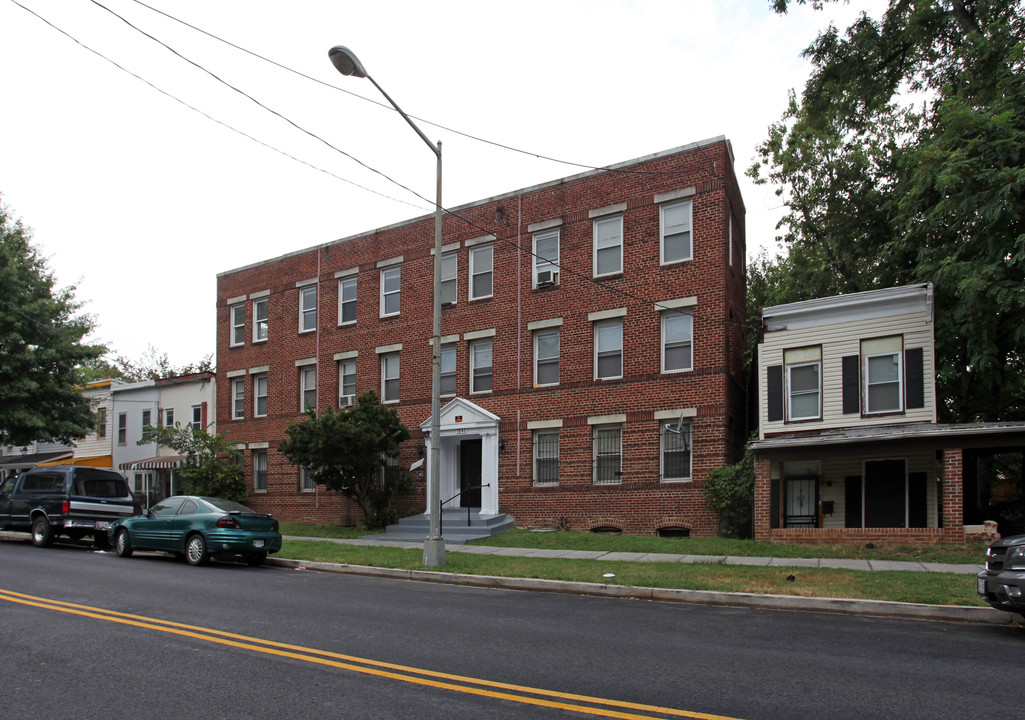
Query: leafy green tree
x=154 y=365
x=345 y=451
x=42 y=345
x=212 y=465
x=730 y=490
x=881 y=191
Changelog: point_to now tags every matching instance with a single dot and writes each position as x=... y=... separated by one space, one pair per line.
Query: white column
x=489 y=474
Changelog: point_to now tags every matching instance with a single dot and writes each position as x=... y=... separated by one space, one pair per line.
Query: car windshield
x=229 y=505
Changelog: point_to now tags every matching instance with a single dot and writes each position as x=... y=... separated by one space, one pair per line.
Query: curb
x=796 y=603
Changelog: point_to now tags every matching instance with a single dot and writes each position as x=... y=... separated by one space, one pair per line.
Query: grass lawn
x=915 y=587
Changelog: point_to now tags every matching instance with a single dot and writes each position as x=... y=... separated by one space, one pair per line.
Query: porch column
x=763 y=498
x=953 y=495
x=489 y=473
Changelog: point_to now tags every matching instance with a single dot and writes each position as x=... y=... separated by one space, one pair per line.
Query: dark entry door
x=470 y=472
x=885 y=494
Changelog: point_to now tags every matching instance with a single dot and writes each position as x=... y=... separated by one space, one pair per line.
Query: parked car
x=1002 y=583
x=198 y=528
x=65 y=500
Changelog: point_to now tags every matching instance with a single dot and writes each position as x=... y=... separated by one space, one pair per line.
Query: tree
x=154 y=365
x=41 y=346
x=730 y=491
x=346 y=451
x=211 y=466
x=882 y=192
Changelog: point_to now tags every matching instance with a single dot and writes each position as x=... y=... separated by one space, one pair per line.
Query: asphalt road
x=151 y=637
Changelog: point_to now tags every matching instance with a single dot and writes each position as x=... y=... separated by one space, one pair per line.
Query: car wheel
x=123 y=543
x=255 y=559
x=42 y=533
x=195 y=550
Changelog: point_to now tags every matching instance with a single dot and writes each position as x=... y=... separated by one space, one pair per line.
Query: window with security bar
x=676 y=454
x=546 y=457
x=608 y=454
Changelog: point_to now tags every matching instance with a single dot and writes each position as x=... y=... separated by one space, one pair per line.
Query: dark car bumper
x=1004 y=591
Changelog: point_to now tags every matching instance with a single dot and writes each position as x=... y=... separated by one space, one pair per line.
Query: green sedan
x=198 y=528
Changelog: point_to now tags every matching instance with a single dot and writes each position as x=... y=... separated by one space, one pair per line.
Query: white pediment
x=461 y=414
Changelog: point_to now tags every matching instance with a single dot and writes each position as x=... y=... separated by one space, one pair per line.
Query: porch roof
x=161 y=462
x=938 y=434
x=8 y=462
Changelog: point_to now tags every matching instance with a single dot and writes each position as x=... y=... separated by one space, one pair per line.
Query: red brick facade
x=710 y=286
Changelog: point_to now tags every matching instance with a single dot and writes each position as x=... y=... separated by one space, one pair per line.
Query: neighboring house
x=16 y=460
x=178 y=401
x=849 y=447
x=581 y=318
x=96 y=449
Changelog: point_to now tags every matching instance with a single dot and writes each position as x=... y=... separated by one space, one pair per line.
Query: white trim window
x=168 y=416
x=482 y=276
x=481 y=369
x=608 y=350
x=608 y=246
x=306 y=483
x=122 y=428
x=546 y=357
x=261 y=326
x=608 y=454
x=147 y=416
x=238 y=398
x=391 y=291
x=449 y=278
x=675 y=452
x=677 y=341
x=676 y=221
x=347 y=381
x=308 y=308
x=448 y=369
x=546 y=457
x=390 y=377
x=347 y=288
x=882 y=365
x=238 y=325
x=546 y=258
x=260 y=395
x=307 y=388
x=804 y=383
x=260 y=471
x=197 y=417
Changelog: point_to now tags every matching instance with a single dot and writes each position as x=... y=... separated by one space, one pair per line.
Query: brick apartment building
x=582 y=317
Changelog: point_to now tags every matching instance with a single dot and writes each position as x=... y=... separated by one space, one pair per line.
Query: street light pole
x=346 y=62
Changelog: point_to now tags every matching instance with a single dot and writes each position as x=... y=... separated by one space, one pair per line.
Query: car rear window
x=229 y=505
x=43 y=482
x=100 y=484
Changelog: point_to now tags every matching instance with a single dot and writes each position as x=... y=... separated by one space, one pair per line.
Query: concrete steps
x=454 y=527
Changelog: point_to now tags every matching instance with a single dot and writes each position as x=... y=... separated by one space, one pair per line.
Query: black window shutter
x=851 y=384
x=852 y=501
x=917 y=500
x=774 y=391
x=914 y=373
x=774 y=503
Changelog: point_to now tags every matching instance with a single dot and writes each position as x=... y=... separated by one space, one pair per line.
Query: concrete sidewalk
x=848 y=606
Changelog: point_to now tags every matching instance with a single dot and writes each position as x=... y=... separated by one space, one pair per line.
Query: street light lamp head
x=346 y=62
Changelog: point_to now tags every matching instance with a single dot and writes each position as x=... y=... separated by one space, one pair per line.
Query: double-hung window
x=608 y=350
x=803 y=383
x=546 y=258
x=308 y=308
x=260 y=395
x=238 y=398
x=608 y=454
x=391 y=291
x=883 y=372
x=546 y=357
x=480 y=366
x=347 y=382
x=122 y=428
x=306 y=483
x=449 y=278
x=197 y=417
x=675 y=451
x=546 y=457
x=147 y=418
x=238 y=324
x=608 y=245
x=390 y=377
x=307 y=388
x=261 y=326
x=676 y=221
x=260 y=471
x=482 y=276
x=168 y=417
x=677 y=341
x=347 y=301
x=448 y=369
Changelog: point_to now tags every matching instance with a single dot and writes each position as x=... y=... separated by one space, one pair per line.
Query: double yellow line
x=457 y=683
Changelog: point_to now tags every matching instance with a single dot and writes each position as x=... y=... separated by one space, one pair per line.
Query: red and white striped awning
x=161 y=462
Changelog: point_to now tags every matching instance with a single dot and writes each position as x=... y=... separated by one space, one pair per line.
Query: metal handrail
x=441 y=517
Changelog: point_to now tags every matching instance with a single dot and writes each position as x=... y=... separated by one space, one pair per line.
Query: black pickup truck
x=65 y=500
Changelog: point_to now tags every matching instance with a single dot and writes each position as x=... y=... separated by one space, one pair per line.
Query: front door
x=801 y=504
x=885 y=494
x=470 y=456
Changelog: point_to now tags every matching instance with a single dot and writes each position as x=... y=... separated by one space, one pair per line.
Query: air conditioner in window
x=346 y=400
x=547 y=277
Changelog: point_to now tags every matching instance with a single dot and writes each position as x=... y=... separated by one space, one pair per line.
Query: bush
x=730 y=490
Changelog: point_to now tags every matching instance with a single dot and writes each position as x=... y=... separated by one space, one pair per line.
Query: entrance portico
x=469 y=456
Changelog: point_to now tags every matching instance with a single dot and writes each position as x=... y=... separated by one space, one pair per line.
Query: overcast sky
x=140 y=201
